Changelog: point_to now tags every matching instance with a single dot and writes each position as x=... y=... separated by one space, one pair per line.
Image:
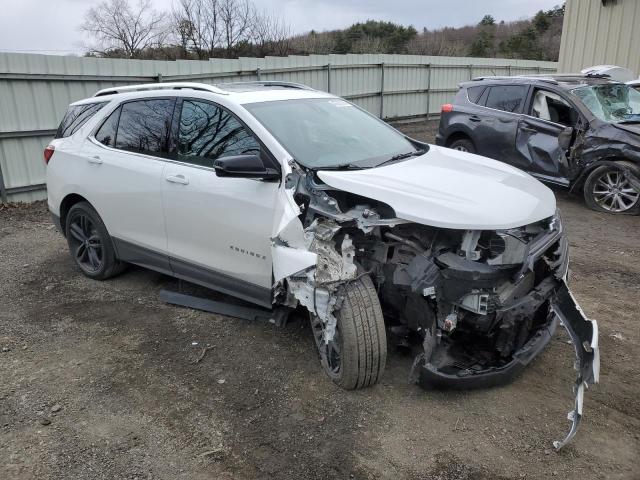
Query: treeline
x=201 y=29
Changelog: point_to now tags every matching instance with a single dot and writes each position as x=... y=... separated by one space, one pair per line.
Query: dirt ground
x=100 y=381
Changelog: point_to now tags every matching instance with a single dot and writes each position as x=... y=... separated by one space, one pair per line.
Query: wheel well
x=579 y=182
x=66 y=204
x=458 y=136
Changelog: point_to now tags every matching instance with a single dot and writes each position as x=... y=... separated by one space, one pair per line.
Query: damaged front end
x=475 y=306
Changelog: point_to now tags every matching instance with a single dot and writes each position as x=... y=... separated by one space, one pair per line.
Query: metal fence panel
x=35 y=91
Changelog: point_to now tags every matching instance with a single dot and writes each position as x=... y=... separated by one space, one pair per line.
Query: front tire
x=607 y=189
x=90 y=244
x=356 y=356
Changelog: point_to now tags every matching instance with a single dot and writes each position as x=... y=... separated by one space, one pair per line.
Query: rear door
x=540 y=146
x=218 y=228
x=496 y=125
x=126 y=158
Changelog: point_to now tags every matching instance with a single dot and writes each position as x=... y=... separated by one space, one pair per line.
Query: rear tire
x=463 y=145
x=607 y=189
x=357 y=355
x=90 y=244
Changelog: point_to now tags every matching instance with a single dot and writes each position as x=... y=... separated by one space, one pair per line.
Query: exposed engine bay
x=474 y=307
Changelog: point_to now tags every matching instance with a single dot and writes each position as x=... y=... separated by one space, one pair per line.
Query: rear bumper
x=440 y=139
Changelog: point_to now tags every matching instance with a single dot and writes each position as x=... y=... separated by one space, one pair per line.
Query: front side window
x=552 y=107
x=76 y=117
x=145 y=126
x=508 y=98
x=331 y=133
x=613 y=103
x=208 y=132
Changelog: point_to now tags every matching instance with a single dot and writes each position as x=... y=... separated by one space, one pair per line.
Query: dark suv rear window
x=76 y=117
x=509 y=98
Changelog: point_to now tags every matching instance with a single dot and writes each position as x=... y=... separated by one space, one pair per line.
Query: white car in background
x=285 y=196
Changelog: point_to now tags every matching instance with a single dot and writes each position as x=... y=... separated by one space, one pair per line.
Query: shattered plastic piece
x=584 y=334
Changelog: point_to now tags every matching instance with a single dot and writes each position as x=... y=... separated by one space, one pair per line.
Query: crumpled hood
x=451 y=189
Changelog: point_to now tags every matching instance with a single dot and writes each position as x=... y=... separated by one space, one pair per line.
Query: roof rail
x=541 y=77
x=160 y=86
x=268 y=83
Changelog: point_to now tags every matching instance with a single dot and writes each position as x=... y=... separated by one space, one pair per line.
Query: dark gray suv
x=581 y=132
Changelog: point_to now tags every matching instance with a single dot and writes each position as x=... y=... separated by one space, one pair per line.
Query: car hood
x=451 y=189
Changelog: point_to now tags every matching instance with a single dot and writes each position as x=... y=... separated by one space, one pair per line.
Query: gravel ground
x=102 y=381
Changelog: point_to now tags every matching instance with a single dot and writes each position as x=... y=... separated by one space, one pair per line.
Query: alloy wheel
x=330 y=353
x=86 y=244
x=613 y=192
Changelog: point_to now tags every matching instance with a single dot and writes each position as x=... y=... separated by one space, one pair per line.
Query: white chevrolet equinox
x=287 y=197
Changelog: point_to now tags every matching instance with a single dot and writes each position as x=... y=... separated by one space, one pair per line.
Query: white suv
x=286 y=196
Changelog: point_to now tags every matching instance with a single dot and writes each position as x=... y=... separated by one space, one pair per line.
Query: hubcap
x=330 y=353
x=86 y=243
x=460 y=148
x=613 y=192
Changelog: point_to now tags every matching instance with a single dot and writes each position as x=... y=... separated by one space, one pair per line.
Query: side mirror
x=564 y=139
x=244 y=166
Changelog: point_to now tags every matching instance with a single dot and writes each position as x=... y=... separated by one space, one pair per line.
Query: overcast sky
x=50 y=26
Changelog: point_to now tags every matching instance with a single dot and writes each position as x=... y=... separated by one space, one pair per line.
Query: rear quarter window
x=474 y=93
x=76 y=117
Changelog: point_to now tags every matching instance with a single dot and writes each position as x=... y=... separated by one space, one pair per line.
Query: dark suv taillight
x=446 y=108
x=48 y=153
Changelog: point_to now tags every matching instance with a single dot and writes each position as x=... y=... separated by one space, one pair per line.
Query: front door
x=544 y=135
x=218 y=228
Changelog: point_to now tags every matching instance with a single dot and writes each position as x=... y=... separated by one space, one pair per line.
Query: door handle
x=181 y=179
x=473 y=118
x=95 y=159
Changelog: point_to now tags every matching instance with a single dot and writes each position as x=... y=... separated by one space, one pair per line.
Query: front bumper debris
x=563 y=310
x=584 y=336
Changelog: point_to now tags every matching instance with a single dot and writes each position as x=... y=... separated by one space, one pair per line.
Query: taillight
x=446 y=108
x=48 y=153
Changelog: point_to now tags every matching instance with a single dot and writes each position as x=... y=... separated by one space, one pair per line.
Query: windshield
x=611 y=103
x=331 y=133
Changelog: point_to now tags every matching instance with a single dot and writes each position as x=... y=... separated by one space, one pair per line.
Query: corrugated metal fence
x=36 y=89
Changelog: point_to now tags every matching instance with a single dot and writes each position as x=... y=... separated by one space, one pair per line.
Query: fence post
x=329 y=77
x=382 y=90
x=509 y=69
x=428 y=90
x=470 y=71
x=258 y=74
x=3 y=189
x=159 y=77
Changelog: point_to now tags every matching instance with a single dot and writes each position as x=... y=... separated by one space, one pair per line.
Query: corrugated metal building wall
x=597 y=32
x=35 y=91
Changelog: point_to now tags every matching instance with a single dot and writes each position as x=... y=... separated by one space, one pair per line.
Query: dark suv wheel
x=463 y=145
x=608 y=189
x=90 y=244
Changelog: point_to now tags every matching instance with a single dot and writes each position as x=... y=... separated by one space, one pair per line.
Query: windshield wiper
x=630 y=120
x=402 y=156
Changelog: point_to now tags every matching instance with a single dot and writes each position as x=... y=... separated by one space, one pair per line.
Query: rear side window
x=76 y=117
x=106 y=134
x=508 y=98
x=473 y=93
x=208 y=132
x=145 y=126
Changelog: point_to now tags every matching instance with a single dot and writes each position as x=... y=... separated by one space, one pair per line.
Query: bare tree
x=118 y=25
x=197 y=26
x=271 y=35
x=237 y=19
